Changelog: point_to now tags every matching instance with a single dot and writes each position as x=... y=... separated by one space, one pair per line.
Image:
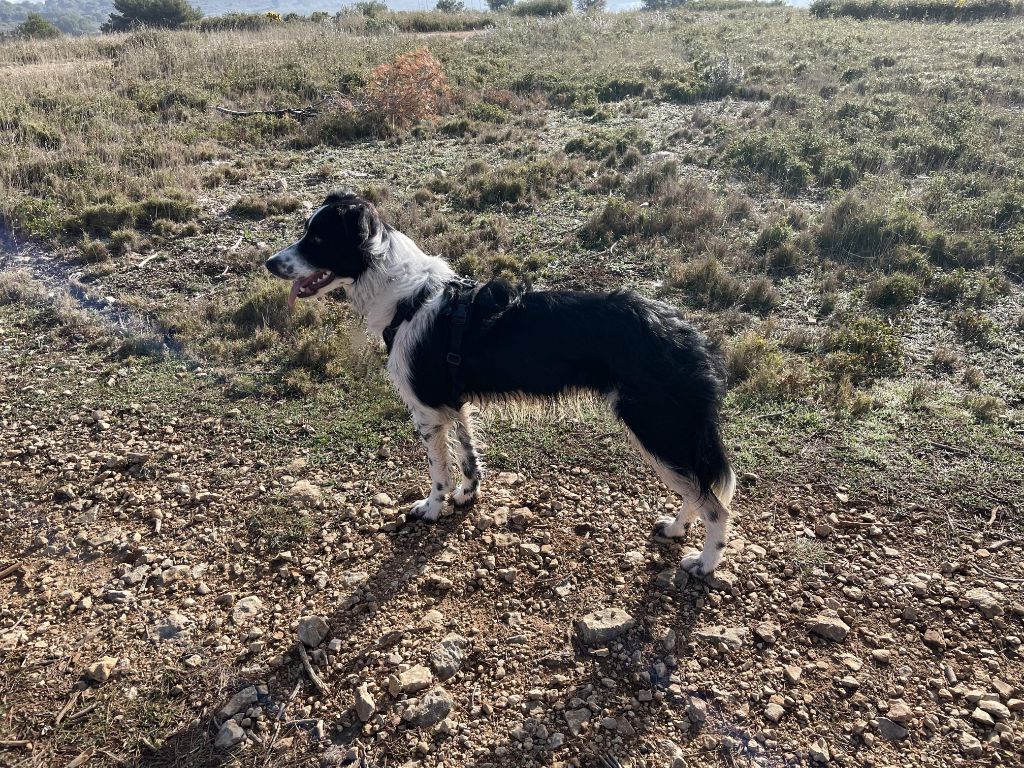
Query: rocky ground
x=189 y=580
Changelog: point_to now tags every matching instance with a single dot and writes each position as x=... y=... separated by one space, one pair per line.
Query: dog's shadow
x=417 y=542
x=412 y=547
x=643 y=663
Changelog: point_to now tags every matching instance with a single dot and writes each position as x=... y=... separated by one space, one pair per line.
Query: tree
x=170 y=14
x=450 y=6
x=500 y=5
x=35 y=26
x=590 y=6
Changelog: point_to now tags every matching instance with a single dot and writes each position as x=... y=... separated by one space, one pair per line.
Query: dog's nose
x=274 y=265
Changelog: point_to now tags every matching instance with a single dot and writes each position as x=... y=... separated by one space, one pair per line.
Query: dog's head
x=338 y=244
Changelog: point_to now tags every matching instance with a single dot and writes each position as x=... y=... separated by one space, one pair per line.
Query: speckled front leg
x=433 y=427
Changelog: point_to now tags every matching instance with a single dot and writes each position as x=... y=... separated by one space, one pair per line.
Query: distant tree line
x=72 y=17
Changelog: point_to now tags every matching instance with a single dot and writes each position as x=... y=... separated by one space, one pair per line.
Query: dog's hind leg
x=433 y=427
x=715 y=516
x=469 y=460
x=677 y=527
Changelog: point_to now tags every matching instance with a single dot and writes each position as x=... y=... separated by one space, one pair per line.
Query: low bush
x=541 y=8
x=864 y=348
x=919 y=10
x=896 y=291
x=253 y=207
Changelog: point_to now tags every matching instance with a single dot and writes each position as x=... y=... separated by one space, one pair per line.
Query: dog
x=453 y=343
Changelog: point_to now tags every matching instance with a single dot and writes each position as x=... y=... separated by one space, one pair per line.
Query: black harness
x=460 y=293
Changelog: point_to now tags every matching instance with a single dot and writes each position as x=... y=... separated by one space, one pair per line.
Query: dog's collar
x=406 y=308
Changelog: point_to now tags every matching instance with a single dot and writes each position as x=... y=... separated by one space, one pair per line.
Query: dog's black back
x=663 y=377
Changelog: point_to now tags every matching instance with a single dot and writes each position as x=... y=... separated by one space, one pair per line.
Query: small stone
x=890 y=730
x=230 y=734
x=996 y=709
x=448 y=657
x=899 y=711
x=305 y=492
x=383 y=500
x=792 y=674
x=819 y=751
x=414 y=679
x=313 y=630
x=246 y=609
x=767 y=632
x=696 y=710
x=603 y=626
x=429 y=710
x=172 y=626
x=365 y=705
x=720 y=580
x=774 y=712
x=970 y=745
x=881 y=656
x=982 y=718
x=101 y=670
x=829 y=627
x=934 y=639
x=985 y=601
x=575 y=719
x=728 y=637
x=242 y=700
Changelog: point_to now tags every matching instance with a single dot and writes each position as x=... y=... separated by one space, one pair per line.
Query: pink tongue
x=296 y=287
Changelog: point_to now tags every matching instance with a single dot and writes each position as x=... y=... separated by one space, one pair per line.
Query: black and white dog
x=452 y=343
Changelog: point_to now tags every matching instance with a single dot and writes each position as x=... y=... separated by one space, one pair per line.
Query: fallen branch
x=310 y=672
x=15 y=744
x=307 y=111
x=12 y=569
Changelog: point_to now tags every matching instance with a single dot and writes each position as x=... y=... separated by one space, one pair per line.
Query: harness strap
x=461 y=292
x=460 y=316
x=404 y=311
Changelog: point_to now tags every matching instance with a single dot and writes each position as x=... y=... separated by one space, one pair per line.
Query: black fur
x=665 y=378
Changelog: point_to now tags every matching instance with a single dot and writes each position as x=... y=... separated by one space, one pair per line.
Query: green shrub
x=37 y=28
x=253 y=207
x=772 y=156
x=134 y=14
x=541 y=7
x=863 y=349
x=709 y=282
x=852 y=229
x=93 y=251
x=917 y=10
x=895 y=291
x=974 y=327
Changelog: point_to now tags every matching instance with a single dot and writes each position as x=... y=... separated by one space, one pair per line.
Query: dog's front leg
x=469 y=461
x=433 y=427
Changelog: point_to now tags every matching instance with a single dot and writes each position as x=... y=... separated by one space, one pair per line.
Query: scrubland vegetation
x=836 y=197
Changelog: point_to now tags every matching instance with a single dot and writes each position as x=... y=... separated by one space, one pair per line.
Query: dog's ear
x=361 y=222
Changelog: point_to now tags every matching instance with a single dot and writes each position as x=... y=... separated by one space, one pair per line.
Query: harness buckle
x=454 y=358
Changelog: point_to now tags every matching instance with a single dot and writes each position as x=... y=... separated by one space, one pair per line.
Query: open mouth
x=309 y=286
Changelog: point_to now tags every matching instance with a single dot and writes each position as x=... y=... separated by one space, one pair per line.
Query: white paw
x=666 y=528
x=427 y=509
x=462 y=497
x=693 y=563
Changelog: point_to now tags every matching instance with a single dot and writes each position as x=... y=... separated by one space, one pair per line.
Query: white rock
x=603 y=626
x=100 y=670
x=246 y=609
x=829 y=627
x=365 y=705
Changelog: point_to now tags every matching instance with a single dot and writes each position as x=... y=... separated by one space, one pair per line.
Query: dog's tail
x=712 y=471
x=725 y=487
